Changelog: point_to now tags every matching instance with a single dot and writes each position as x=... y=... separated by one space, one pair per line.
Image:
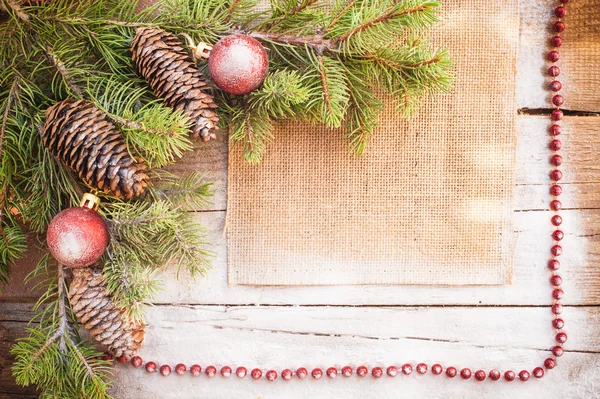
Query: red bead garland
x=555 y=145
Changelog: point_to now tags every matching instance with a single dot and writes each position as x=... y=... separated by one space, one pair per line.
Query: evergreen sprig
x=328 y=60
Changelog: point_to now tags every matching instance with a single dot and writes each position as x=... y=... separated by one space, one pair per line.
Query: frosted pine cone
x=172 y=74
x=85 y=139
x=96 y=311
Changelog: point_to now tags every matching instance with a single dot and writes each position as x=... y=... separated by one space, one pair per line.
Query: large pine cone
x=85 y=139
x=96 y=311
x=172 y=74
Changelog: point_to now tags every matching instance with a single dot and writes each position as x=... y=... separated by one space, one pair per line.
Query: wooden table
x=206 y=321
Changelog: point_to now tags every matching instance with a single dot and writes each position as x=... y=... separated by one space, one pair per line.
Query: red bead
x=556 y=160
x=241 y=372
x=556 y=205
x=553 y=56
x=549 y=363
x=287 y=374
x=557 y=308
x=556 y=41
x=238 y=64
x=362 y=371
x=554 y=71
x=558 y=294
x=122 y=359
x=558 y=351
x=210 y=371
x=558 y=100
x=556 y=220
x=301 y=373
x=107 y=357
x=437 y=369
x=451 y=372
x=226 y=371
x=559 y=26
x=392 y=371
x=195 y=370
x=421 y=368
x=317 y=373
x=165 y=370
x=556 y=250
x=509 y=375
x=406 y=369
x=560 y=12
x=558 y=235
x=77 y=237
x=480 y=375
x=555 y=85
x=555 y=130
x=556 y=190
x=558 y=323
x=271 y=375
x=556 y=281
x=557 y=114
x=465 y=373
x=136 y=361
x=555 y=145
x=347 y=371
x=524 y=375
x=494 y=375
x=377 y=372
x=553 y=264
x=331 y=372
x=151 y=367
x=564 y=1
x=538 y=372
x=180 y=369
x=561 y=337
x=256 y=374
x=556 y=175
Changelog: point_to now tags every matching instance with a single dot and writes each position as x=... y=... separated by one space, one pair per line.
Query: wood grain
x=189 y=321
x=323 y=337
x=580 y=55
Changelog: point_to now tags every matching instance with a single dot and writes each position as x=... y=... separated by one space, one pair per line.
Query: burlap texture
x=429 y=203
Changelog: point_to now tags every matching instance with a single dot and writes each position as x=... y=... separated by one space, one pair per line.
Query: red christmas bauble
x=77 y=237
x=238 y=64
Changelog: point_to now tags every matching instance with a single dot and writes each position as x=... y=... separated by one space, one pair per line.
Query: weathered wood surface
x=206 y=321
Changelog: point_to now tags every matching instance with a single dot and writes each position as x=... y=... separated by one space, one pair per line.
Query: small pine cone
x=173 y=75
x=96 y=311
x=85 y=139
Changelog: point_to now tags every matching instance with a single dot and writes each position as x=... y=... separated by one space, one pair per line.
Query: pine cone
x=172 y=74
x=85 y=139
x=96 y=311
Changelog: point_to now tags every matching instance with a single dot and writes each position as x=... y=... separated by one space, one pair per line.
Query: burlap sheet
x=429 y=203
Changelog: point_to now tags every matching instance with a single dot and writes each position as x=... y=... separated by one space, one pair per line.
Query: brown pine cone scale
x=95 y=310
x=171 y=72
x=84 y=138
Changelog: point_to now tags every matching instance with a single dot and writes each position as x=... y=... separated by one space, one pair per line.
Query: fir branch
x=385 y=16
x=17 y=10
x=6 y=187
x=232 y=9
x=280 y=95
x=63 y=72
x=190 y=192
x=339 y=14
x=315 y=42
x=288 y=14
x=324 y=84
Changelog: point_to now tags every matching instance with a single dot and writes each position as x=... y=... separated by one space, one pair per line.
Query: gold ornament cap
x=90 y=201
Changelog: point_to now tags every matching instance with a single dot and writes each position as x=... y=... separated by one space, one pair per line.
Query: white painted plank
x=277 y=337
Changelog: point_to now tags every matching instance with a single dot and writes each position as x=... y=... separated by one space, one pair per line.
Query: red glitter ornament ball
x=77 y=237
x=238 y=64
